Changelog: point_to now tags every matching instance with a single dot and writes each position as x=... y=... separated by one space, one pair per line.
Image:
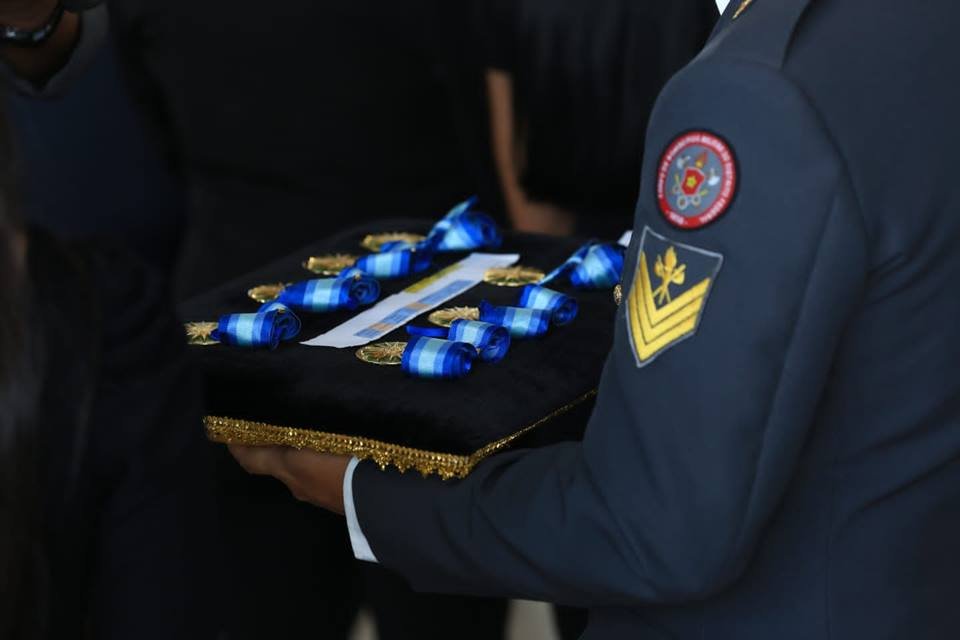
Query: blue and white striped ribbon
x=274 y=323
x=519 y=321
x=438 y=359
x=593 y=266
x=331 y=294
x=491 y=341
x=563 y=309
x=395 y=263
x=463 y=229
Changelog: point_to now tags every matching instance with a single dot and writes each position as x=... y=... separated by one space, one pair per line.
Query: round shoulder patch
x=697 y=180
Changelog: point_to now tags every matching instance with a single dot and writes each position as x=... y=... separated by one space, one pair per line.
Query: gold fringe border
x=446 y=465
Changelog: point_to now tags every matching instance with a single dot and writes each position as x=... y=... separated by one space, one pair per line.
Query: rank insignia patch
x=697 y=180
x=670 y=290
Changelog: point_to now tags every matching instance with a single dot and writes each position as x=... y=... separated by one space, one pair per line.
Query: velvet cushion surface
x=332 y=391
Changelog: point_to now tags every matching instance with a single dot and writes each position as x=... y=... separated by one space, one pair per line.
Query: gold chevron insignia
x=660 y=314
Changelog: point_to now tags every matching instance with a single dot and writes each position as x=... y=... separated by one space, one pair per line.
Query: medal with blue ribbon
x=351 y=290
x=538 y=309
x=438 y=359
x=399 y=255
x=491 y=341
x=272 y=324
x=593 y=266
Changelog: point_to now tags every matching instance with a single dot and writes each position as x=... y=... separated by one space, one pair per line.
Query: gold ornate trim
x=446 y=465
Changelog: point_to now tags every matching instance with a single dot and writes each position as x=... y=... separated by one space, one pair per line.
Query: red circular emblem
x=697 y=180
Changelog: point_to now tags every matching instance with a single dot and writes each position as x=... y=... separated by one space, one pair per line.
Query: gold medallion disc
x=266 y=292
x=388 y=354
x=329 y=265
x=513 y=276
x=374 y=241
x=445 y=317
x=618 y=294
x=200 y=334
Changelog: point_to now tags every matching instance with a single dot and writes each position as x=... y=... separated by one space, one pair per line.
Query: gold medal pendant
x=618 y=294
x=513 y=276
x=200 y=334
x=266 y=292
x=374 y=241
x=446 y=317
x=329 y=265
x=385 y=354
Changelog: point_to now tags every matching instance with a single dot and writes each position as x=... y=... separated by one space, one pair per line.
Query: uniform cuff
x=359 y=542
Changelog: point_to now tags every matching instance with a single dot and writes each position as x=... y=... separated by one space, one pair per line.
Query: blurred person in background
x=106 y=527
x=284 y=124
x=570 y=85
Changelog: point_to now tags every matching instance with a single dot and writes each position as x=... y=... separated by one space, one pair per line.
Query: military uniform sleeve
x=747 y=263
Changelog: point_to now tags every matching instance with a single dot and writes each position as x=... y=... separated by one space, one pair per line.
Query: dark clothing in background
x=585 y=75
x=286 y=125
x=128 y=510
x=89 y=170
x=304 y=119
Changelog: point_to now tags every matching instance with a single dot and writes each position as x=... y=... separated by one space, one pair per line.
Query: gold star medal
x=513 y=276
x=266 y=292
x=373 y=242
x=446 y=317
x=329 y=265
x=200 y=334
x=386 y=354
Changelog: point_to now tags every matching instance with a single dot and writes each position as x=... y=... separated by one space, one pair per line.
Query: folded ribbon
x=438 y=359
x=491 y=341
x=272 y=324
x=593 y=266
x=519 y=321
x=463 y=229
x=332 y=294
x=397 y=262
x=563 y=309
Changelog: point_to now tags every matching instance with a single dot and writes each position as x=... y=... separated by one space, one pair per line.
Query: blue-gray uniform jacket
x=775 y=453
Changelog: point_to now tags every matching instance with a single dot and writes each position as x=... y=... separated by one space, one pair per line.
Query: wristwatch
x=32 y=37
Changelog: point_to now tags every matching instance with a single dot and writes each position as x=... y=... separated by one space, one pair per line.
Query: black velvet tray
x=328 y=400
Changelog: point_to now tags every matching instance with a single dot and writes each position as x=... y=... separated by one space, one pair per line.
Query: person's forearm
x=503 y=135
x=38 y=64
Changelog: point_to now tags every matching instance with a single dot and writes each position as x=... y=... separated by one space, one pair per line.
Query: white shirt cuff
x=361 y=547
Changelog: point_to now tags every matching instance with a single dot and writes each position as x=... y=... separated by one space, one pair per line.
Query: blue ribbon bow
x=438 y=359
x=332 y=294
x=593 y=266
x=491 y=341
x=272 y=324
